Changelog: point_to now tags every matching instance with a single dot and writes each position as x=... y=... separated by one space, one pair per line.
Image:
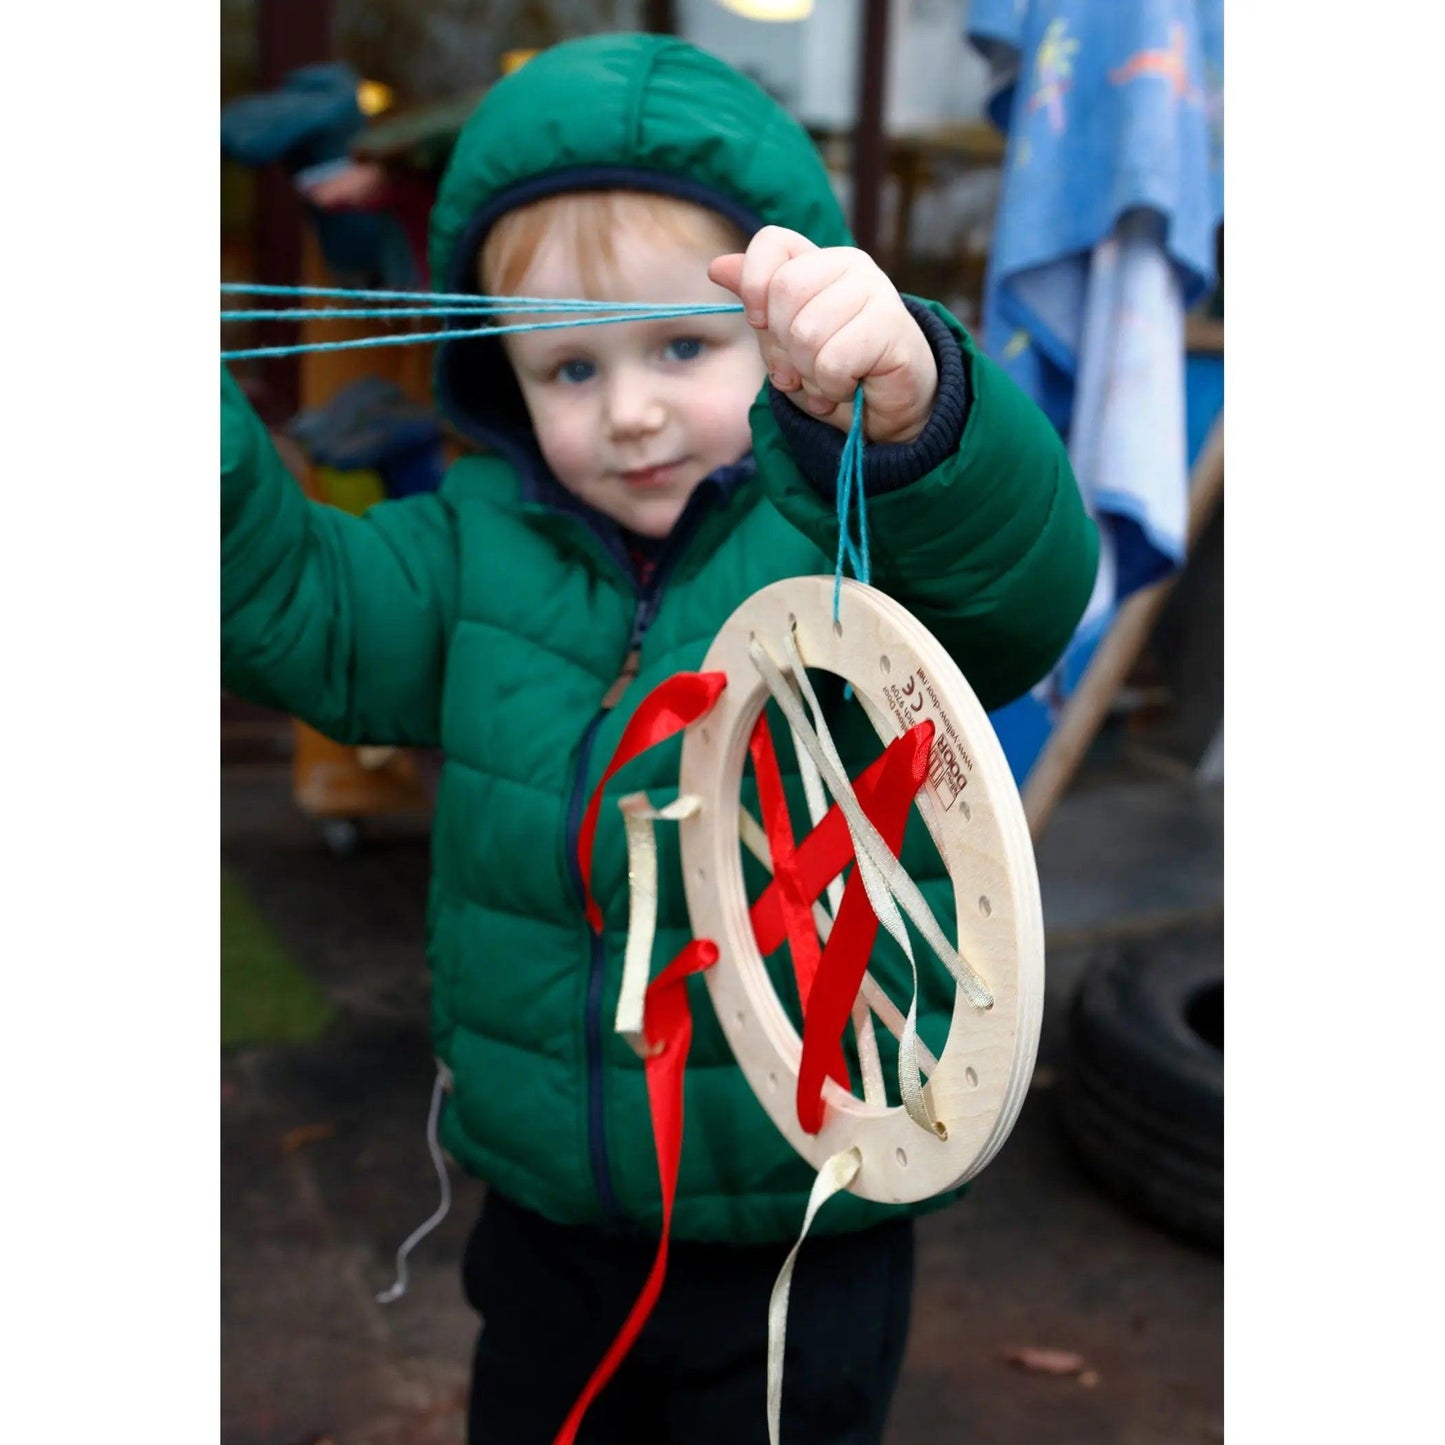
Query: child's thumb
x=727 y=271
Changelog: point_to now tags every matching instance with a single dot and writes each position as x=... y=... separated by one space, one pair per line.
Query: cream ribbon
x=638 y=815
x=837 y=1173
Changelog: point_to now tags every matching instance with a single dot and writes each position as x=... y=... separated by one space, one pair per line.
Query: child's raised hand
x=828 y=319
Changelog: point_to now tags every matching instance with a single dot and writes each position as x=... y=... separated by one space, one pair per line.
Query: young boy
x=639 y=480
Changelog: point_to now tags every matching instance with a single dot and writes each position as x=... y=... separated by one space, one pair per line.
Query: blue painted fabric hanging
x=1106 y=234
x=306 y=125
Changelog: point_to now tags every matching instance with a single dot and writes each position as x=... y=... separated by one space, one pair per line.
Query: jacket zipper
x=645 y=609
x=596 y=1133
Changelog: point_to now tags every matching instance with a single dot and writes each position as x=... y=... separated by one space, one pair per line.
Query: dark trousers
x=552 y=1299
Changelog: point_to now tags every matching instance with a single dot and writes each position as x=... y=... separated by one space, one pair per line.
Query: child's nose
x=634 y=408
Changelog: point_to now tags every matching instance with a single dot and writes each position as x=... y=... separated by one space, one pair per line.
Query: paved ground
x=324 y=1170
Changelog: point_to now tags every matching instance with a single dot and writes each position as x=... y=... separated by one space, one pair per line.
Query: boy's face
x=631 y=416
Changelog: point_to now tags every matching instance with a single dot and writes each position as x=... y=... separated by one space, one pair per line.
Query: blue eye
x=685 y=348
x=576 y=371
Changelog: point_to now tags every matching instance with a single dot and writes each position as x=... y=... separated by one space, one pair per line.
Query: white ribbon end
x=837 y=1173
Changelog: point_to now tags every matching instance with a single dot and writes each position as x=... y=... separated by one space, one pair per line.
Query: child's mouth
x=644 y=478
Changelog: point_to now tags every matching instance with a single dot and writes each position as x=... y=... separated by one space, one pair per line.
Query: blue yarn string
x=500 y=309
x=668 y=313
x=441 y=304
x=583 y=313
x=256 y=288
x=462 y=300
x=850 y=488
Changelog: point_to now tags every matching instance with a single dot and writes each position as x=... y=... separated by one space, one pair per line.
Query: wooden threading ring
x=970 y=805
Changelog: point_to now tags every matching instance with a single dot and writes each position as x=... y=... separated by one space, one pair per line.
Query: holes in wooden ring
x=985 y=907
x=970 y=1078
x=883 y=663
x=901 y=1157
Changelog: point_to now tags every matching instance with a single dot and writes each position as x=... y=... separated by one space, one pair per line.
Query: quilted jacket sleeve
x=339 y=620
x=991 y=549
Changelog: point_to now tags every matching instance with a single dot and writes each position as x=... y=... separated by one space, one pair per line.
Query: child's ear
x=727 y=271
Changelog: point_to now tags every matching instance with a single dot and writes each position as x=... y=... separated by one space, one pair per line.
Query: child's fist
x=828 y=320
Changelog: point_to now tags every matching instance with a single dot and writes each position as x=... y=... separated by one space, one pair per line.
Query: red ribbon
x=885 y=792
x=846 y=957
x=827 y=984
x=826 y=851
x=666 y=1017
x=670 y=706
x=794 y=901
x=667 y=1021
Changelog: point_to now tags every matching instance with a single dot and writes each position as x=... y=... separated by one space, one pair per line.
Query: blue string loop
x=581 y=313
x=412 y=338
x=349 y=313
x=444 y=300
x=850 y=489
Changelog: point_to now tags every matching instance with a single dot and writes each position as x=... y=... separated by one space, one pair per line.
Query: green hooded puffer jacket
x=490 y=619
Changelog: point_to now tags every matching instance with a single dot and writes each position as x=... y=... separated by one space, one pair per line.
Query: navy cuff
x=817 y=447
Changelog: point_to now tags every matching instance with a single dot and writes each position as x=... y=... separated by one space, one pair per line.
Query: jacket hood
x=634 y=112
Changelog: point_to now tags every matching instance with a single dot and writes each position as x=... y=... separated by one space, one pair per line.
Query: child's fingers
x=770 y=249
x=899 y=379
x=781 y=371
x=810 y=400
x=860 y=350
x=785 y=376
x=820 y=284
x=834 y=308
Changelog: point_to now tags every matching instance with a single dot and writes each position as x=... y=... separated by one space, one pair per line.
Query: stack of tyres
x=1142 y=1094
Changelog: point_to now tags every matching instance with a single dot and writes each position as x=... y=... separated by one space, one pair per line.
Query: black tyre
x=1142 y=1091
